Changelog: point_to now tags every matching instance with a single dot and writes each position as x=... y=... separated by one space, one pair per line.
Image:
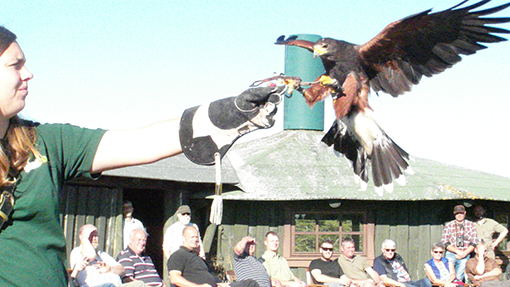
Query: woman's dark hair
x=6 y=39
x=18 y=144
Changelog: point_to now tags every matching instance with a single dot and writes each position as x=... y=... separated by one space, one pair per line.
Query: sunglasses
x=388 y=250
x=438 y=252
x=186 y=213
x=327 y=249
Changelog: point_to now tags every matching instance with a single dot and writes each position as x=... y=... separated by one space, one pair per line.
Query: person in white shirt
x=172 y=240
x=130 y=223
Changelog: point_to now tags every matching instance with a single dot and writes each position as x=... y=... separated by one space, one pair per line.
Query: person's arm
x=432 y=277
x=389 y=281
x=465 y=252
x=140 y=146
x=503 y=232
x=87 y=249
x=319 y=277
x=241 y=245
x=177 y=279
x=217 y=125
x=451 y=267
x=493 y=272
x=446 y=239
x=374 y=275
x=480 y=265
x=110 y=265
x=276 y=283
x=79 y=266
x=167 y=243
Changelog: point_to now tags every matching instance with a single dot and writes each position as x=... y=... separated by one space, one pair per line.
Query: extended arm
x=319 y=277
x=200 y=132
x=140 y=146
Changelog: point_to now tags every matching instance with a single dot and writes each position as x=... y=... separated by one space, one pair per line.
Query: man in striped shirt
x=246 y=266
x=137 y=266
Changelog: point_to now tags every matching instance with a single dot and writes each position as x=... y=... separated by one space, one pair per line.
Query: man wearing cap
x=172 y=240
x=460 y=239
x=486 y=228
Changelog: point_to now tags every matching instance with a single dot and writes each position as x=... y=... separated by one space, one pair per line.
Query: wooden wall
x=414 y=226
x=99 y=206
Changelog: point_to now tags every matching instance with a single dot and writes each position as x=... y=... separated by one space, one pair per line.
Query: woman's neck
x=4 y=125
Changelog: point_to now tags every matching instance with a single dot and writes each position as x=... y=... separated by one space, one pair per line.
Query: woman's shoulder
x=62 y=130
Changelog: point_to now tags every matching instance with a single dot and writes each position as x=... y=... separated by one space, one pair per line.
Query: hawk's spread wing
x=427 y=44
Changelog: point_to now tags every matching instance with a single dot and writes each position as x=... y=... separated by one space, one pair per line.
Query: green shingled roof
x=178 y=168
x=296 y=165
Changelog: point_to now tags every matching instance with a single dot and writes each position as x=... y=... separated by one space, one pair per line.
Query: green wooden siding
x=413 y=225
x=101 y=207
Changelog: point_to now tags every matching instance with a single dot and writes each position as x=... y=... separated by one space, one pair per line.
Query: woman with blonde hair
x=440 y=270
x=37 y=159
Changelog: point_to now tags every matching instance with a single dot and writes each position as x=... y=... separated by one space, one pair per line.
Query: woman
x=440 y=270
x=37 y=159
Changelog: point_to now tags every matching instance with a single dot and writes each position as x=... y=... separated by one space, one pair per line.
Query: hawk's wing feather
x=427 y=44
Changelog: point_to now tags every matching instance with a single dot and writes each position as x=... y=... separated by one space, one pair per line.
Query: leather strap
x=6 y=204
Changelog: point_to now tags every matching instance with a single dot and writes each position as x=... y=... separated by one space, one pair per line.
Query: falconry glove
x=214 y=127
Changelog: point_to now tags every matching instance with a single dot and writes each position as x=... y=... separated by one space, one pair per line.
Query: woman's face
x=437 y=253
x=13 y=81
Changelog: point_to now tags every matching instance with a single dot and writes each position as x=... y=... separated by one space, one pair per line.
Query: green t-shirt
x=276 y=266
x=354 y=268
x=32 y=246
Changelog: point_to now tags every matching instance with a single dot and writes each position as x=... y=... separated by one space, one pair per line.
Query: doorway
x=148 y=207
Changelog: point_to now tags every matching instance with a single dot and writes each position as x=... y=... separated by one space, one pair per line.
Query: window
x=309 y=229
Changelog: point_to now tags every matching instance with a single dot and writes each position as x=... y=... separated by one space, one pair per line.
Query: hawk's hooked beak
x=318 y=51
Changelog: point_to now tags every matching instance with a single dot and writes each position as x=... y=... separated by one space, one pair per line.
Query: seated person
x=327 y=271
x=440 y=270
x=92 y=267
x=393 y=270
x=482 y=270
x=188 y=269
x=138 y=267
x=356 y=268
x=276 y=265
x=247 y=266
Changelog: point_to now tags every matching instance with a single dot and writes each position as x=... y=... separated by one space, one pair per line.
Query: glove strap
x=6 y=204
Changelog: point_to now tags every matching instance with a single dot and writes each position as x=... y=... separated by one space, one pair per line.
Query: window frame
x=302 y=259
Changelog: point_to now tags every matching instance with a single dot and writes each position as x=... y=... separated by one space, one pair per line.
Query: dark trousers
x=245 y=283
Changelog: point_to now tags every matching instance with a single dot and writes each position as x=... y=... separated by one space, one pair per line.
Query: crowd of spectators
x=466 y=248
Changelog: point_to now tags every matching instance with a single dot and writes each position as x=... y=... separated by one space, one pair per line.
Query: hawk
x=423 y=44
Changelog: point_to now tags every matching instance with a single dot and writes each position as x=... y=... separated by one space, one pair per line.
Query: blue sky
x=123 y=64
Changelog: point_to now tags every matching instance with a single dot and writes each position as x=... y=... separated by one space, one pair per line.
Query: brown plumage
x=422 y=44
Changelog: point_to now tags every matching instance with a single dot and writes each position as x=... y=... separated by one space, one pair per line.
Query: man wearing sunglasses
x=172 y=240
x=393 y=270
x=327 y=271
